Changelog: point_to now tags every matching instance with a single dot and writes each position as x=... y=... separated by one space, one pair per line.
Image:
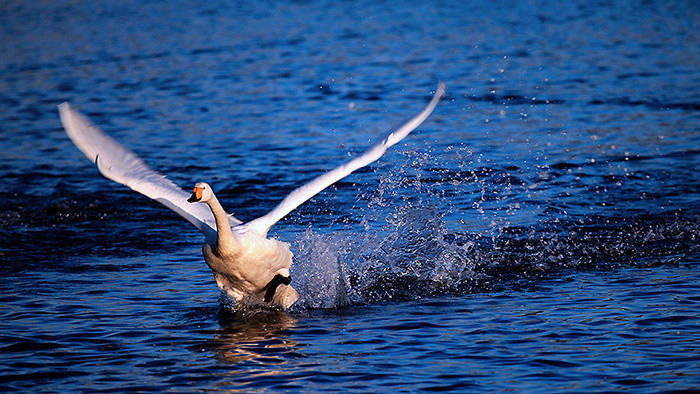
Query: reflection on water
x=260 y=335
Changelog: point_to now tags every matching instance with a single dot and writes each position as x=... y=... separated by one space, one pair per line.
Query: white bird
x=248 y=266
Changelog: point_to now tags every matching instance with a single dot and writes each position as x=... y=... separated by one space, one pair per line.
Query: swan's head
x=202 y=192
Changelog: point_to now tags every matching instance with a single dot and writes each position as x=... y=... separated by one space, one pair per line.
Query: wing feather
x=121 y=165
x=305 y=192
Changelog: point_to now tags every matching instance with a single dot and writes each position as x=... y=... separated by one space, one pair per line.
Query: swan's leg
x=272 y=286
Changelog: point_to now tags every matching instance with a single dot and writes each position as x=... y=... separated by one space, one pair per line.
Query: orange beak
x=196 y=195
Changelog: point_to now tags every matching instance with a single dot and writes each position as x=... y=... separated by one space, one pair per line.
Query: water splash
x=408 y=244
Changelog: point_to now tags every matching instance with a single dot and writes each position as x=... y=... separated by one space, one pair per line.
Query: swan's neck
x=225 y=241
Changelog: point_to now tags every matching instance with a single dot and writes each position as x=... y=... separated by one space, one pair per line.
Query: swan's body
x=246 y=264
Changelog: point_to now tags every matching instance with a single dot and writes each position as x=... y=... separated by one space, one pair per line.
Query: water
x=538 y=233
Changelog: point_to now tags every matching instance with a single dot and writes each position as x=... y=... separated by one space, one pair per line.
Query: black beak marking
x=193 y=198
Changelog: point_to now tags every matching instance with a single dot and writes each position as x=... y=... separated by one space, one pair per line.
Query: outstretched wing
x=121 y=165
x=300 y=195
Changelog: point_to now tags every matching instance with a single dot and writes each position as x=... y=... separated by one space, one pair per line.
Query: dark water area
x=538 y=233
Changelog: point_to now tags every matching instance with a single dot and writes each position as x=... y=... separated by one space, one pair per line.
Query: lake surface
x=538 y=233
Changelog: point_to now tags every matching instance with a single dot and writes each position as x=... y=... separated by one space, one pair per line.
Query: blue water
x=538 y=233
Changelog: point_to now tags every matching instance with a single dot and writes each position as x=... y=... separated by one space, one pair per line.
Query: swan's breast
x=252 y=264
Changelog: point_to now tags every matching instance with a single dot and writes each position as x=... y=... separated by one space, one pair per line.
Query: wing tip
x=65 y=108
x=440 y=91
x=68 y=115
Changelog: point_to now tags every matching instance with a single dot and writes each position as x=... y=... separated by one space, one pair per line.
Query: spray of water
x=416 y=240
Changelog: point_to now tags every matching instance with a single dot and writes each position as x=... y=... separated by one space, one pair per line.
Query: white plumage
x=250 y=267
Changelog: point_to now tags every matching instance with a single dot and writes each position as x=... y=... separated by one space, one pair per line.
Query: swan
x=247 y=265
